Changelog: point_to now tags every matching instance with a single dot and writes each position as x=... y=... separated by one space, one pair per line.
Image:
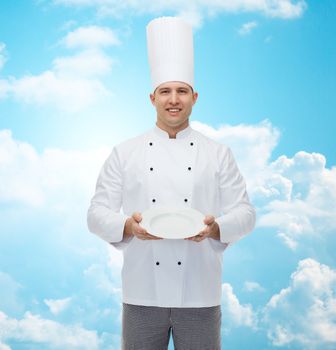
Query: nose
x=173 y=97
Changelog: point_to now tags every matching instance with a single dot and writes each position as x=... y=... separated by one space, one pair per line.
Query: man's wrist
x=128 y=228
x=216 y=233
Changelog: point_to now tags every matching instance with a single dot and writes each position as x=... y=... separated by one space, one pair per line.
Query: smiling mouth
x=173 y=110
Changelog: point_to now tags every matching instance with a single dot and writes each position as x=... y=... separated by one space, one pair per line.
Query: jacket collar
x=180 y=135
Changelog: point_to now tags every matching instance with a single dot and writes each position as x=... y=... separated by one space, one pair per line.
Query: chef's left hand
x=211 y=230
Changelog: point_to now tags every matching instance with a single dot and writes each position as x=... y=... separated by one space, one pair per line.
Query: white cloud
x=236 y=314
x=4 y=86
x=304 y=313
x=289 y=241
x=251 y=286
x=246 y=28
x=56 y=306
x=3 y=55
x=9 y=301
x=86 y=64
x=34 y=329
x=68 y=25
x=91 y=37
x=284 y=9
x=191 y=16
x=4 y=347
x=303 y=199
x=66 y=93
x=56 y=179
x=20 y=176
x=74 y=82
x=104 y=280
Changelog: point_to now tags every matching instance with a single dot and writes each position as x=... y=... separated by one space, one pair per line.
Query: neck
x=172 y=132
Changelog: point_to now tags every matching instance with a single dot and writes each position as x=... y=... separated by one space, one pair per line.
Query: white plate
x=173 y=223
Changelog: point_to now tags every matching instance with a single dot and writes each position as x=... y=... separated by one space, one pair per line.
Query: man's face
x=173 y=102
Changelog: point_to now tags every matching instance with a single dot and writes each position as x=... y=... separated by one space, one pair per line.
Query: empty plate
x=173 y=223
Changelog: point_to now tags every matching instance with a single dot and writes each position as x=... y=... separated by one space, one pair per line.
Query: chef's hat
x=170 y=51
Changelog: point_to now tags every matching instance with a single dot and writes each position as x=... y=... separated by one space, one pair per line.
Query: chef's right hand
x=132 y=227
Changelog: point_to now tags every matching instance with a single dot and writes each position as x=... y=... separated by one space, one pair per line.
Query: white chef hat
x=170 y=51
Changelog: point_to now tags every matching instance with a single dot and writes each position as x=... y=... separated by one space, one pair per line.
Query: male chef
x=171 y=285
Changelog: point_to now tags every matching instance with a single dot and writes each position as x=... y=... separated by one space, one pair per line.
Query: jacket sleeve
x=104 y=217
x=238 y=215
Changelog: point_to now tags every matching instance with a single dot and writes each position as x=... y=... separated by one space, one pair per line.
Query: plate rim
x=148 y=214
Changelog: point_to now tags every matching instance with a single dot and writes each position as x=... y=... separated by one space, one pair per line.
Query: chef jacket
x=190 y=171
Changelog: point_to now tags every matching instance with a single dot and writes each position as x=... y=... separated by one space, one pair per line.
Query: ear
x=195 y=97
x=152 y=98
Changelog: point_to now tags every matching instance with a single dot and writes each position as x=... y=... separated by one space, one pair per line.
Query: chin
x=176 y=124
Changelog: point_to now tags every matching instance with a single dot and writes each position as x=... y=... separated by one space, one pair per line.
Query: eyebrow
x=178 y=88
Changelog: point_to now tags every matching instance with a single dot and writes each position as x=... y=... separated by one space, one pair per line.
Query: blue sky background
x=74 y=81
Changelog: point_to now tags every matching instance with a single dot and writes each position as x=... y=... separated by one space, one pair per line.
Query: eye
x=164 y=92
x=182 y=91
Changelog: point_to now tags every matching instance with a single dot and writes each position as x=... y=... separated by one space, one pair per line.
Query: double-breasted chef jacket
x=153 y=170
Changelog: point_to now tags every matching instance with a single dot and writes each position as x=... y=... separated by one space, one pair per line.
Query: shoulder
x=217 y=151
x=132 y=144
x=210 y=142
x=128 y=149
x=133 y=141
